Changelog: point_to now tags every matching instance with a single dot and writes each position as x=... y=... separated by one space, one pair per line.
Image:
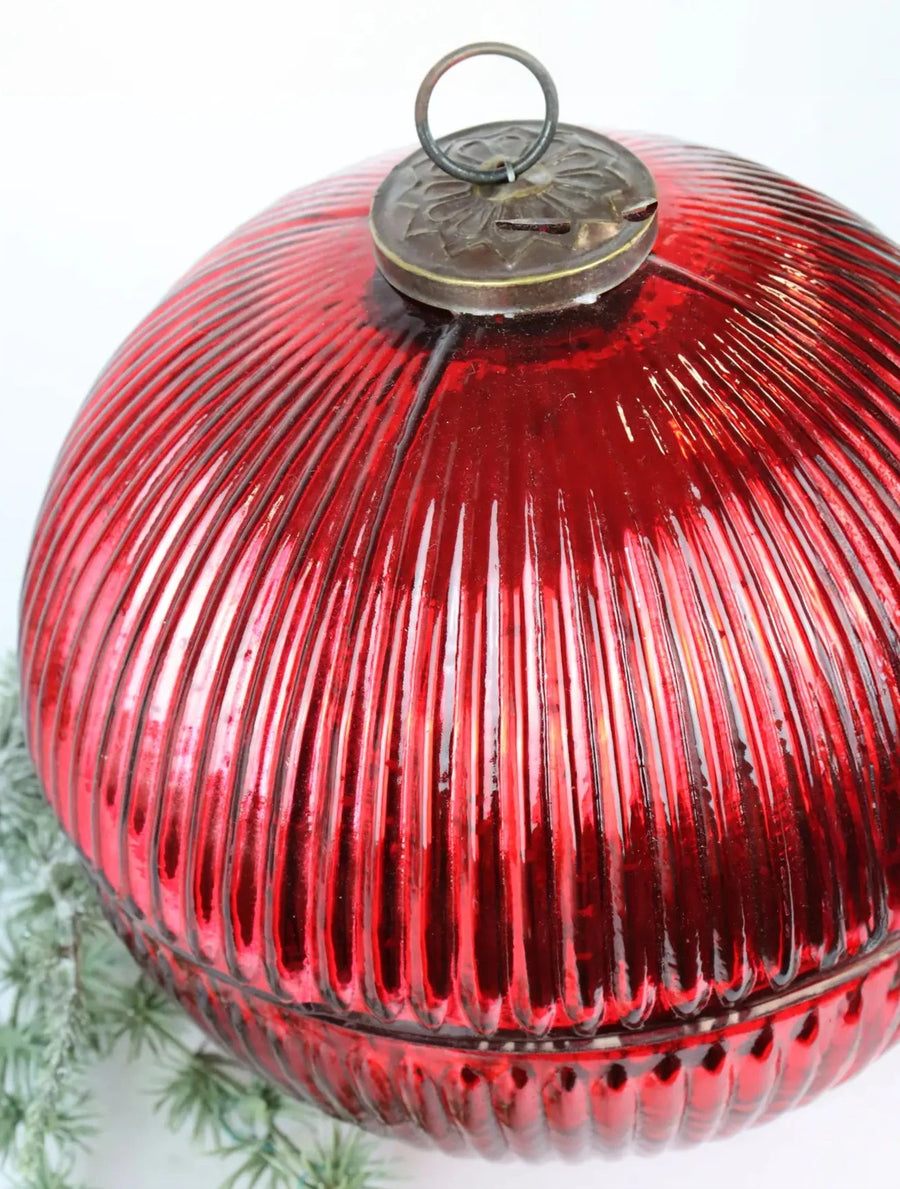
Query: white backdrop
x=133 y=136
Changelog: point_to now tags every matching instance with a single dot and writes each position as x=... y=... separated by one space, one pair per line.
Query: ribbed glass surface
x=430 y=682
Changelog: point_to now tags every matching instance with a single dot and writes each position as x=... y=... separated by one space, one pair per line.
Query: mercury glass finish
x=488 y=727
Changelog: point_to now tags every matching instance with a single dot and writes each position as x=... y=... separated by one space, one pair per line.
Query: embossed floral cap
x=512 y=218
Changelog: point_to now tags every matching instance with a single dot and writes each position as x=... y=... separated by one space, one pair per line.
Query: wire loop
x=508 y=171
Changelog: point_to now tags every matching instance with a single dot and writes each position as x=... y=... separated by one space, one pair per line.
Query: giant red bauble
x=489 y=727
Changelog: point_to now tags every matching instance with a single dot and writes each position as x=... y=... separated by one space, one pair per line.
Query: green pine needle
x=71 y=996
x=197 y=1096
x=343 y=1162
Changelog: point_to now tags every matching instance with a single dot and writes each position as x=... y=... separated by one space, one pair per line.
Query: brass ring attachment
x=508 y=171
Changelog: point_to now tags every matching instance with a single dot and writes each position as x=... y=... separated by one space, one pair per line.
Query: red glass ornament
x=488 y=728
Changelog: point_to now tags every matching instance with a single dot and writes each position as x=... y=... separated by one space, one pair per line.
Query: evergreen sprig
x=71 y=996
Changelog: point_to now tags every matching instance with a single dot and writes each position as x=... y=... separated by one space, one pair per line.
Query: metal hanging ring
x=509 y=171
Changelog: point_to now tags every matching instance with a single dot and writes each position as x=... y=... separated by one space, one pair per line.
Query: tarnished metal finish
x=574 y=225
x=509 y=169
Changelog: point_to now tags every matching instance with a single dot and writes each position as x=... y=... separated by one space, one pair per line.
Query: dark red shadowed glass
x=488 y=728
